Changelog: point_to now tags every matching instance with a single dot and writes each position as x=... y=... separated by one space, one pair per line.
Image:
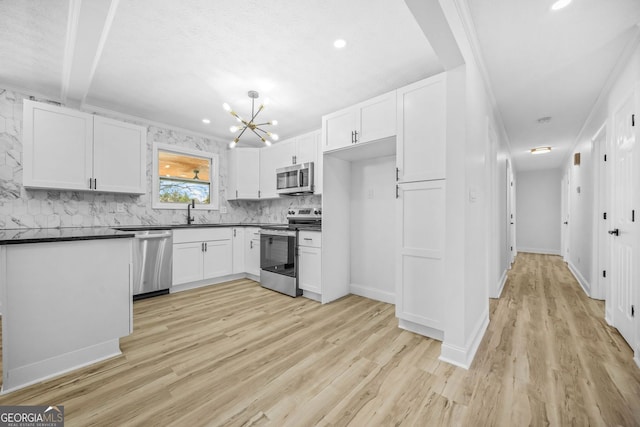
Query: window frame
x=214 y=177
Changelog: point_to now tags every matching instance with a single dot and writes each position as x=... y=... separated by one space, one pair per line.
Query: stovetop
x=316 y=226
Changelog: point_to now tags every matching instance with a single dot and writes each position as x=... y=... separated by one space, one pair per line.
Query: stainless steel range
x=279 y=250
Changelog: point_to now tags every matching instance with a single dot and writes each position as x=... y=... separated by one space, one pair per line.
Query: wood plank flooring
x=239 y=355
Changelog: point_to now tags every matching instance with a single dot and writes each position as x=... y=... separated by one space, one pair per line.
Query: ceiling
x=177 y=62
x=545 y=63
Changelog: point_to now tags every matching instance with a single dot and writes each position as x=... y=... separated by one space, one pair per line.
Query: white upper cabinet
x=421 y=139
x=301 y=149
x=58 y=152
x=69 y=150
x=272 y=158
x=119 y=156
x=367 y=121
x=244 y=173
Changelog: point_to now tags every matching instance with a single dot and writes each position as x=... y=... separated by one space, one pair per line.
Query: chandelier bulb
x=226 y=107
x=274 y=122
x=267 y=142
x=233 y=129
x=274 y=136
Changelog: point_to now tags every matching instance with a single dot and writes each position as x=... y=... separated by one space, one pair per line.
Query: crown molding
x=464 y=13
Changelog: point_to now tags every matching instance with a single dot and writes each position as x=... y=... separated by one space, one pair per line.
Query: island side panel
x=65 y=305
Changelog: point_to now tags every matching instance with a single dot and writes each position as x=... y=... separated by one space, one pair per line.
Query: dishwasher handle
x=153 y=236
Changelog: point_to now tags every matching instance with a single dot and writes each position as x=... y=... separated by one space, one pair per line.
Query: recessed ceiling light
x=340 y=43
x=560 y=4
x=540 y=150
x=206 y=121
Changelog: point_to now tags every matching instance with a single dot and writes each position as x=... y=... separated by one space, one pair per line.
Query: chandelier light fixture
x=251 y=124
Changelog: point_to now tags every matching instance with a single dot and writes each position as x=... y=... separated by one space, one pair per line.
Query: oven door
x=278 y=252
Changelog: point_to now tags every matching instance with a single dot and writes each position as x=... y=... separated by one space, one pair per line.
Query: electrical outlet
x=120 y=207
x=223 y=209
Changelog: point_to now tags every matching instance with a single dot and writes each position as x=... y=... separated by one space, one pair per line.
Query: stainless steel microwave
x=295 y=179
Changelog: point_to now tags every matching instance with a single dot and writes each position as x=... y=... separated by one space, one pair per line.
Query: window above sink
x=181 y=175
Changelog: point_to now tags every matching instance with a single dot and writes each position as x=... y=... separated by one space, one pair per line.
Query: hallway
x=549 y=356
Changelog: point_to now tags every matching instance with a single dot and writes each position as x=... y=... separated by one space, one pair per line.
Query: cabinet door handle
x=355 y=132
x=234 y=232
x=397 y=174
x=397 y=192
x=206 y=247
x=95 y=183
x=90 y=183
x=251 y=244
x=352 y=138
x=202 y=247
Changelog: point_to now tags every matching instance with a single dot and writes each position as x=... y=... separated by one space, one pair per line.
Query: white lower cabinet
x=201 y=253
x=252 y=251
x=420 y=249
x=238 y=250
x=309 y=261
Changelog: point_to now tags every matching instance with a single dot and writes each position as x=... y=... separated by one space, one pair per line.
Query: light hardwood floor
x=236 y=354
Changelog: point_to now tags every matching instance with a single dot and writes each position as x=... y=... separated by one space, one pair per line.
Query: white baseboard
x=216 y=281
x=371 y=293
x=426 y=331
x=463 y=357
x=586 y=287
x=23 y=376
x=312 y=295
x=500 y=287
x=542 y=251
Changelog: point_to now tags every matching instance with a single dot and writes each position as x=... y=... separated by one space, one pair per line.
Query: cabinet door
x=306 y=148
x=187 y=262
x=218 y=259
x=252 y=251
x=377 y=118
x=310 y=269
x=238 y=250
x=338 y=128
x=421 y=140
x=420 y=237
x=271 y=158
x=57 y=147
x=318 y=172
x=119 y=156
x=244 y=173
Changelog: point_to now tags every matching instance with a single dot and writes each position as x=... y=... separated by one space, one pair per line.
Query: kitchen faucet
x=190 y=218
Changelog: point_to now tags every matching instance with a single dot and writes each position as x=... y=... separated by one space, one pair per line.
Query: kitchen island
x=66 y=300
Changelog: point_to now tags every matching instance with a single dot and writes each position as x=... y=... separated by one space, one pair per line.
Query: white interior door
x=511 y=221
x=624 y=229
x=602 y=214
x=564 y=214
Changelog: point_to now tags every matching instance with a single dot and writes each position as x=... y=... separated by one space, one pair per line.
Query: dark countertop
x=40 y=235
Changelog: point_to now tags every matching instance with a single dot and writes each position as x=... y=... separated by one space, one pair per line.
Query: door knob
x=614 y=232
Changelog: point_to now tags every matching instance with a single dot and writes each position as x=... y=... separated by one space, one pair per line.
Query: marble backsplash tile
x=28 y=208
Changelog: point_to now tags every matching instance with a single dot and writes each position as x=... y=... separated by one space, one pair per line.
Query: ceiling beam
x=434 y=25
x=88 y=26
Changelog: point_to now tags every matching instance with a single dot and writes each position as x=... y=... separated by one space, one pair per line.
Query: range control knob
x=291 y=212
x=317 y=212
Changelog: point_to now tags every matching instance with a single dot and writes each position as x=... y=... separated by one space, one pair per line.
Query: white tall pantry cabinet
x=420 y=208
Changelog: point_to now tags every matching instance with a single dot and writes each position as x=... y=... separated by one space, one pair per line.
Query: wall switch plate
x=223 y=209
x=120 y=207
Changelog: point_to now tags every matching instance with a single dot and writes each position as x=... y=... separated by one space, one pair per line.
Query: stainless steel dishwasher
x=152 y=263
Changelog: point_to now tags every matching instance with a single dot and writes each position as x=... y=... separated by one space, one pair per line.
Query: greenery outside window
x=181 y=175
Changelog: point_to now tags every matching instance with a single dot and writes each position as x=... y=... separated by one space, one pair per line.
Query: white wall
x=538 y=211
x=373 y=228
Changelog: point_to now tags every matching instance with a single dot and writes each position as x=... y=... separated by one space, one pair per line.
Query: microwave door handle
x=300 y=178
